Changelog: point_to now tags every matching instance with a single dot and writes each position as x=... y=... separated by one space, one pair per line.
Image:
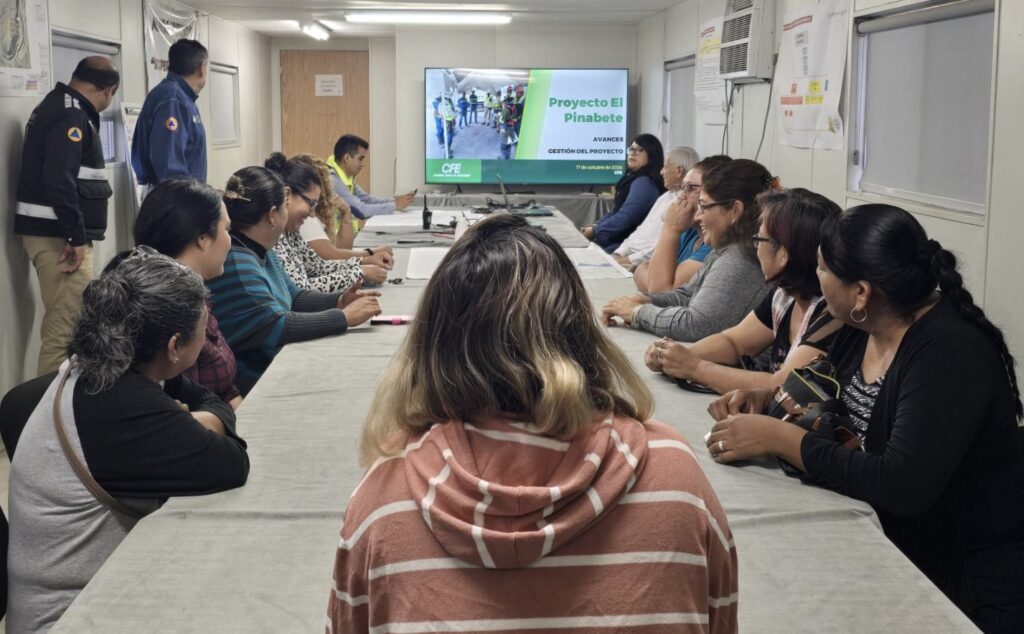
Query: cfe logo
x=75 y=134
x=452 y=169
x=171 y=124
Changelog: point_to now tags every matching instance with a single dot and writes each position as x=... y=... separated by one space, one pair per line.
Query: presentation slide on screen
x=539 y=126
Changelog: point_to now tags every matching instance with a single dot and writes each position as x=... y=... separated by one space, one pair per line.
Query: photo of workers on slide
x=475 y=114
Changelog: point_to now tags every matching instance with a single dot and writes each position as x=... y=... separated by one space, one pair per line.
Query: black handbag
x=810 y=397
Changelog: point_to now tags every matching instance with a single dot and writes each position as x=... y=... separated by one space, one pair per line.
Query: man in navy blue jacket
x=62 y=197
x=170 y=140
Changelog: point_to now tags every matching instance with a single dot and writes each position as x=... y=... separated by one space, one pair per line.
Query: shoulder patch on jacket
x=75 y=134
x=171 y=124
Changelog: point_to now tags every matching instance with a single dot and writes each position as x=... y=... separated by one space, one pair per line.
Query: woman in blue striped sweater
x=260 y=309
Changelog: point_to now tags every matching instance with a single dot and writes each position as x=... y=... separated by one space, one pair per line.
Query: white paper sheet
x=414 y=218
x=424 y=261
x=329 y=86
x=708 y=86
x=594 y=264
x=809 y=75
x=24 y=48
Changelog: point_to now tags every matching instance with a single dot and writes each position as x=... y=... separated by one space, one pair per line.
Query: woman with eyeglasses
x=787 y=248
x=260 y=308
x=680 y=250
x=307 y=269
x=329 y=230
x=635 y=194
x=931 y=390
x=638 y=246
x=122 y=417
x=730 y=284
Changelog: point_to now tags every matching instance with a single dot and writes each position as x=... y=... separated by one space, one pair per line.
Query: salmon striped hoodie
x=491 y=527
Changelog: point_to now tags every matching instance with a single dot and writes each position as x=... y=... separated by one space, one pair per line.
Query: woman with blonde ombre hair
x=508 y=441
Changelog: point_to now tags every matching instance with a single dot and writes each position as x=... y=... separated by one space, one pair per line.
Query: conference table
x=582 y=208
x=259 y=558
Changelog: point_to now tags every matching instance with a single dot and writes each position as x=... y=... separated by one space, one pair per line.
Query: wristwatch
x=368 y=250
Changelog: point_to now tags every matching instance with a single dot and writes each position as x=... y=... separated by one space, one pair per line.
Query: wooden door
x=310 y=123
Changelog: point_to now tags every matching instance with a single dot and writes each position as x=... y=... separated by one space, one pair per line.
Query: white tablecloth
x=581 y=209
x=258 y=559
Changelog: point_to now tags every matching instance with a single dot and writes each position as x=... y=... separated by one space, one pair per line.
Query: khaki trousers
x=62 y=297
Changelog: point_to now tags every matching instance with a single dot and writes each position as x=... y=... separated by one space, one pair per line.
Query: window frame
x=232 y=71
x=684 y=62
x=928 y=204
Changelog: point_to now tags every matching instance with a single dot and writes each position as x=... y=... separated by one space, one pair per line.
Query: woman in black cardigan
x=931 y=390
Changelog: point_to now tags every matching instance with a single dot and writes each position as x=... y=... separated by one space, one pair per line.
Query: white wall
x=539 y=46
x=987 y=248
x=822 y=171
x=1004 y=301
x=382 y=97
x=383 y=115
x=237 y=46
x=117 y=21
x=396 y=77
x=650 y=62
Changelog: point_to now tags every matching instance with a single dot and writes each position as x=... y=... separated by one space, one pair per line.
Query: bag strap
x=831 y=325
x=81 y=471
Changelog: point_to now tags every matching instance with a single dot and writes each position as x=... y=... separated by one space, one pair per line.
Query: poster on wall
x=708 y=86
x=164 y=24
x=809 y=76
x=24 y=48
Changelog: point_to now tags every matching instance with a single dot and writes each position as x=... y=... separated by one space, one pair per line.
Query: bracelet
x=632 y=317
x=368 y=250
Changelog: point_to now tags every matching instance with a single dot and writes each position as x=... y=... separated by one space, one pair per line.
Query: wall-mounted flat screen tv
x=563 y=126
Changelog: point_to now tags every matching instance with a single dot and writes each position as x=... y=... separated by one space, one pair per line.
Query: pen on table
x=415 y=231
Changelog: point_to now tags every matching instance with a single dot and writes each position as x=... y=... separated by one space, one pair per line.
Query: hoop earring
x=862 y=319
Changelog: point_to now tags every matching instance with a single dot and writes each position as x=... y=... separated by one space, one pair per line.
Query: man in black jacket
x=62 y=196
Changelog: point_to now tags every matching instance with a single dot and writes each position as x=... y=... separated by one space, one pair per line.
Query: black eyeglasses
x=635 y=149
x=759 y=239
x=309 y=201
x=705 y=206
x=690 y=187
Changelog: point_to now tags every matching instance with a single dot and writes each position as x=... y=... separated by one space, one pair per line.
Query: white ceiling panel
x=276 y=18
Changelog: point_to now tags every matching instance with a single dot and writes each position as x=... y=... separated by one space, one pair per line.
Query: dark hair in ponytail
x=794 y=218
x=888 y=248
x=295 y=174
x=250 y=193
x=951 y=283
x=739 y=180
x=175 y=214
x=130 y=313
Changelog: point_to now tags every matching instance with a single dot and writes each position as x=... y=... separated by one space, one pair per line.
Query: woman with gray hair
x=117 y=433
x=639 y=246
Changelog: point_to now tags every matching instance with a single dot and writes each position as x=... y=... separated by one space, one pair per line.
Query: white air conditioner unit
x=748 y=41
